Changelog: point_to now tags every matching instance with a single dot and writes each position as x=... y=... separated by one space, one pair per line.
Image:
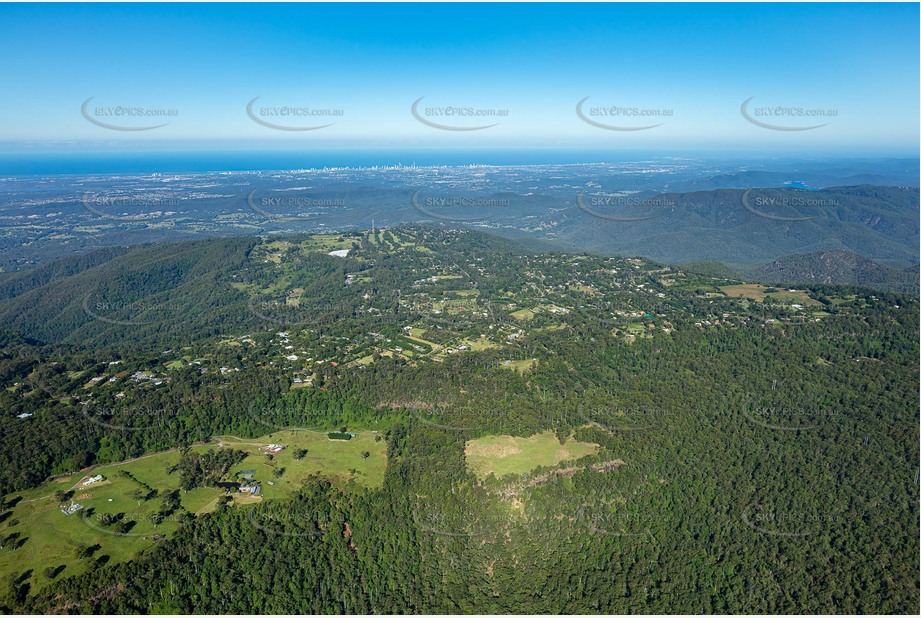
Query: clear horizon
x=803 y=79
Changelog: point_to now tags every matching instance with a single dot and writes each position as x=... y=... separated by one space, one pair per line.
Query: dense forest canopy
x=753 y=449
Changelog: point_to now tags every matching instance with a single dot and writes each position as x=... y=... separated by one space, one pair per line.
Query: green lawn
x=503 y=455
x=521 y=366
x=759 y=292
x=523 y=314
x=52 y=537
x=464 y=293
x=338 y=460
x=328 y=242
x=434 y=346
x=479 y=344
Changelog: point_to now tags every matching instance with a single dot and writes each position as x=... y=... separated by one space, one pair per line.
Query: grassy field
x=51 y=537
x=340 y=461
x=434 y=346
x=521 y=366
x=464 y=293
x=523 y=314
x=327 y=242
x=759 y=292
x=503 y=455
x=479 y=344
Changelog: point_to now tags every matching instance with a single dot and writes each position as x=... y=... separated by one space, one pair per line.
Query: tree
x=82 y=551
x=53 y=571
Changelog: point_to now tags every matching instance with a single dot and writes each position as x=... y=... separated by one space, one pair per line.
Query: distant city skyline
x=791 y=78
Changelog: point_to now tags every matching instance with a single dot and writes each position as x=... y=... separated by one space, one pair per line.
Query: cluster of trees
x=207 y=468
x=768 y=468
x=674 y=530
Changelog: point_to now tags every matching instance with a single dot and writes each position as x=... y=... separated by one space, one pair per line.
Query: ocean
x=124 y=162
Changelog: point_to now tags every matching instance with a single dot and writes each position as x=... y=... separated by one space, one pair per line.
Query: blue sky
x=696 y=62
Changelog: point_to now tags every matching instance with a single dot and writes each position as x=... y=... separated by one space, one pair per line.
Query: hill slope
x=838 y=267
x=743 y=229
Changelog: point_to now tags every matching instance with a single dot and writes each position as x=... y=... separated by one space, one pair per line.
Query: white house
x=93 y=479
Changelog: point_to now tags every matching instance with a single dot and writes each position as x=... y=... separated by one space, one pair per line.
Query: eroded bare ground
x=513 y=490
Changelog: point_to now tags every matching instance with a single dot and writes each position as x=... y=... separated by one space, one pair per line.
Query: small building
x=274 y=449
x=93 y=480
x=71 y=509
x=251 y=489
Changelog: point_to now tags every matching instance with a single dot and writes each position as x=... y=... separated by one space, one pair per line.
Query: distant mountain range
x=905 y=174
x=760 y=223
x=865 y=234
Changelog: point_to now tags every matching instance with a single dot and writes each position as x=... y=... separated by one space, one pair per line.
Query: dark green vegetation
x=839 y=267
x=752 y=456
x=866 y=235
x=206 y=469
x=853 y=226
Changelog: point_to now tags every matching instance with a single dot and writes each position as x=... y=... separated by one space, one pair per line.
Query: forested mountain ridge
x=751 y=445
x=672 y=212
x=842 y=267
x=747 y=228
x=126 y=294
